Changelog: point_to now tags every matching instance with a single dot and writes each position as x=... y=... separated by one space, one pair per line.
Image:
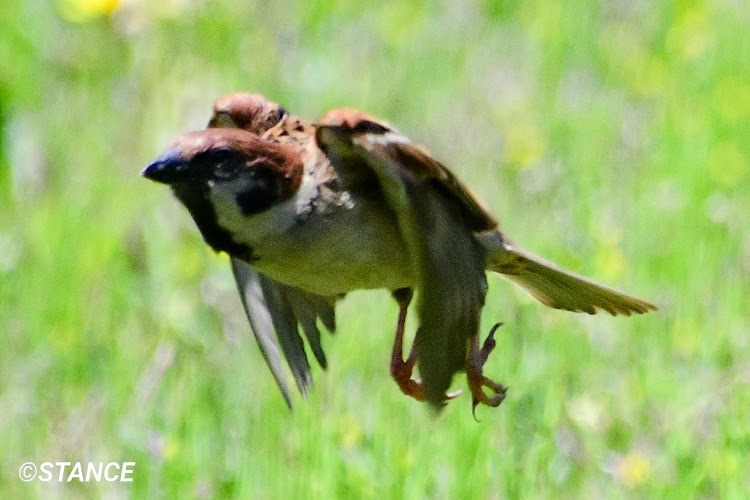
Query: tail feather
x=556 y=287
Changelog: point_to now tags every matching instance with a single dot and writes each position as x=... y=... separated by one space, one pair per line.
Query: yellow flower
x=82 y=11
x=350 y=431
x=635 y=469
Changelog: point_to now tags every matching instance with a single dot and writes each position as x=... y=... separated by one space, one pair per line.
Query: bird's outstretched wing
x=276 y=312
x=435 y=216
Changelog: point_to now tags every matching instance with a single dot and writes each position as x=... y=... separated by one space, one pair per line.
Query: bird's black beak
x=169 y=168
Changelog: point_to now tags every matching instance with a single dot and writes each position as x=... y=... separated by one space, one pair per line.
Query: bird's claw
x=477 y=381
x=401 y=371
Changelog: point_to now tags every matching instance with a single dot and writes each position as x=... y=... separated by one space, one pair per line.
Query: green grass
x=610 y=137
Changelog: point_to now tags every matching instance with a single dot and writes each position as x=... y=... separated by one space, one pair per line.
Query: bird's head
x=224 y=177
x=251 y=112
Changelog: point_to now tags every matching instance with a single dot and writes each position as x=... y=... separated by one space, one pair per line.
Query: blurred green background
x=612 y=137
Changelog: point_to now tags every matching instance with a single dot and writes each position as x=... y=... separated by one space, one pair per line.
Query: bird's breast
x=325 y=241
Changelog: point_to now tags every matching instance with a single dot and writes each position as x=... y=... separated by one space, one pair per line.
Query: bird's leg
x=401 y=370
x=477 y=381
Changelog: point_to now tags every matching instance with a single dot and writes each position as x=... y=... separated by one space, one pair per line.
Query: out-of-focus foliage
x=611 y=137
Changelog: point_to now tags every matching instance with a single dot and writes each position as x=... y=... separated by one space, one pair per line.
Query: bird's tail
x=552 y=285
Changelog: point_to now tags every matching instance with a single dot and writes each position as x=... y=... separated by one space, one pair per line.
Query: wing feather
x=274 y=311
x=449 y=262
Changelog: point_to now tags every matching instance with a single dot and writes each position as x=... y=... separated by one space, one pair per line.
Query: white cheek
x=250 y=229
x=274 y=232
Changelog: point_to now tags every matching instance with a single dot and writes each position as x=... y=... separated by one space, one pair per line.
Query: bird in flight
x=308 y=212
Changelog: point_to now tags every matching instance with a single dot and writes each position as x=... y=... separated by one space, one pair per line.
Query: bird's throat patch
x=203 y=213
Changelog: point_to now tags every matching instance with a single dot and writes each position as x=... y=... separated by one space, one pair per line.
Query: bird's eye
x=223 y=164
x=226 y=169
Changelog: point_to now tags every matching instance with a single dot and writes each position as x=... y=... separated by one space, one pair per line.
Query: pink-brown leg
x=401 y=370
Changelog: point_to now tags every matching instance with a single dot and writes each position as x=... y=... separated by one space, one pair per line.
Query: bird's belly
x=335 y=253
x=336 y=279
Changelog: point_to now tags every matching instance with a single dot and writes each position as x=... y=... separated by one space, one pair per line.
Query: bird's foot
x=477 y=381
x=401 y=371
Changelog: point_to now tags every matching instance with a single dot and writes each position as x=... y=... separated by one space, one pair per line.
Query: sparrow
x=308 y=212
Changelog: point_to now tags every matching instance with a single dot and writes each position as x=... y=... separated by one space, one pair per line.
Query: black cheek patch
x=260 y=196
x=203 y=213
